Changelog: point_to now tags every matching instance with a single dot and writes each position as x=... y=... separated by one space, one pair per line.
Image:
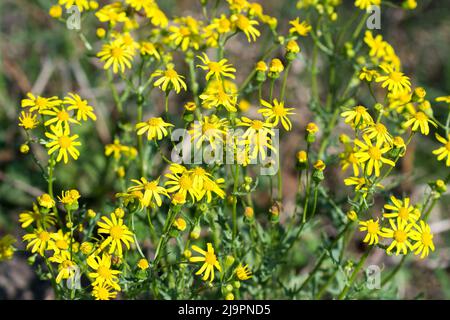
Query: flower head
x=209 y=260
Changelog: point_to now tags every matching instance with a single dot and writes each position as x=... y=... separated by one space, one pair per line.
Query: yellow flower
x=376 y=44
x=60 y=116
x=28 y=120
x=69 y=197
x=218 y=96
x=151 y=190
x=182 y=184
x=357 y=117
x=400 y=232
x=46 y=201
x=83 y=109
x=39 y=103
x=61 y=241
x=348 y=158
x=422 y=234
x=319 y=165
x=116 y=54
x=302 y=156
x=24 y=148
x=117 y=233
x=217 y=69
x=169 y=79
x=445 y=99
x=379 y=132
x=180 y=224
x=155 y=128
x=209 y=187
x=312 y=128
x=6 y=247
x=372 y=228
x=86 y=248
x=364 y=4
x=66 y=266
x=41 y=219
x=103 y=274
x=62 y=141
x=419 y=119
x=261 y=66
x=367 y=75
x=210 y=129
x=444 y=151
x=246 y=25
x=394 y=80
x=112 y=13
x=143 y=264
x=292 y=47
x=116 y=149
x=104 y=292
x=209 y=260
x=39 y=241
x=243 y=272
x=81 y=4
x=276 y=112
x=100 y=33
x=222 y=24
x=55 y=11
x=372 y=154
x=149 y=49
x=352 y=215
x=276 y=66
x=401 y=210
x=300 y=28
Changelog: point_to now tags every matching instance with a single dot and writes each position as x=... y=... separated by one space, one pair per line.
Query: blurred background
x=39 y=54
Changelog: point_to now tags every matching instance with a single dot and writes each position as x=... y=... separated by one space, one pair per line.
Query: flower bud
x=180 y=224
x=249 y=213
x=195 y=233
x=352 y=216
x=143 y=264
x=55 y=11
x=91 y=213
x=275 y=68
x=24 y=148
x=229 y=260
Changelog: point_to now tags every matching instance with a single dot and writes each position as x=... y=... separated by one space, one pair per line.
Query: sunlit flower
x=117 y=233
x=117 y=55
x=300 y=28
x=103 y=274
x=38 y=240
x=357 y=117
x=243 y=272
x=444 y=151
x=82 y=108
x=104 y=292
x=151 y=190
x=400 y=233
x=66 y=266
x=217 y=69
x=246 y=25
x=169 y=79
x=276 y=112
x=154 y=127
x=62 y=141
x=209 y=260
x=372 y=154
x=59 y=118
x=28 y=120
x=39 y=104
x=373 y=230
x=419 y=120
x=422 y=234
x=394 y=80
x=401 y=210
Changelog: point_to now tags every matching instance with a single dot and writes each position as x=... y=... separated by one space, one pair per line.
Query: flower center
x=44 y=236
x=41 y=102
x=171 y=74
x=210 y=258
x=360 y=110
x=427 y=239
x=67 y=264
x=184 y=31
x=396 y=76
x=63 y=115
x=104 y=272
x=420 y=116
x=279 y=110
x=400 y=236
x=375 y=153
x=102 y=293
x=380 y=128
x=447 y=146
x=64 y=142
x=257 y=125
x=372 y=227
x=152 y=186
x=117 y=52
x=403 y=213
x=116 y=232
x=154 y=122
x=62 y=244
x=214 y=66
x=199 y=171
x=28 y=123
x=242 y=22
x=185 y=182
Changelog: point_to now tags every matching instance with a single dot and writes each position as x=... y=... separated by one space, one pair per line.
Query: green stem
x=360 y=264
x=235 y=189
x=285 y=77
x=393 y=272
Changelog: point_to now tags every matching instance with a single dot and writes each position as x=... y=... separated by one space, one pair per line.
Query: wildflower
x=101 y=33
x=419 y=119
x=182 y=184
x=149 y=49
x=39 y=104
x=151 y=190
x=400 y=232
x=319 y=165
x=186 y=33
x=422 y=234
x=81 y=4
x=46 y=201
x=6 y=247
x=349 y=158
x=444 y=151
x=24 y=148
x=62 y=141
x=215 y=97
x=104 y=292
x=394 y=80
x=276 y=66
x=401 y=210
x=276 y=112
x=365 y=4
x=368 y=75
x=217 y=69
x=38 y=240
x=102 y=273
x=445 y=99
x=229 y=296
x=169 y=79
x=292 y=47
x=83 y=109
x=249 y=212
x=372 y=228
x=117 y=233
x=300 y=28
x=357 y=117
x=60 y=116
x=61 y=241
x=209 y=187
x=372 y=154
x=143 y=264
x=41 y=219
x=255 y=127
x=352 y=215
x=261 y=66
x=117 y=54
x=180 y=224
x=86 y=247
x=69 y=198
x=209 y=260
x=28 y=120
x=55 y=11
x=243 y=272
x=376 y=44
x=66 y=267
x=399 y=142
x=246 y=25
x=112 y=13
x=155 y=128
x=222 y=24
x=379 y=132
